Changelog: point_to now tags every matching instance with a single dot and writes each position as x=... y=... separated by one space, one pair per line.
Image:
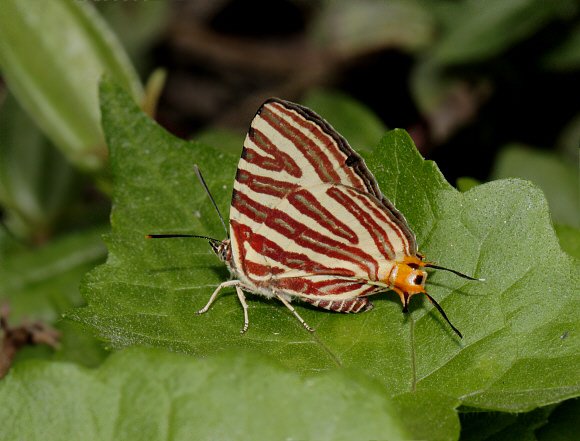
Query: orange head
x=408 y=278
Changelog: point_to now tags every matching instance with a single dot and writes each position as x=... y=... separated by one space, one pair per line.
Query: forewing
x=288 y=145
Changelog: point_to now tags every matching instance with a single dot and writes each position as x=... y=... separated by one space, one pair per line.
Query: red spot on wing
x=259 y=270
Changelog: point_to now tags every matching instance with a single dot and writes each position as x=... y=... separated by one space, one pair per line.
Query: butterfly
x=309 y=222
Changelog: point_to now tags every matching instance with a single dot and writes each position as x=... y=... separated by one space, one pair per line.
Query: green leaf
x=224 y=140
x=466 y=183
x=558 y=179
x=501 y=231
x=152 y=395
x=569 y=139
x=36 y=181
x=352 y=28
x=485 y=29
x=52 y=55
x=514 y=355
x=138 y=27
x=503 y=426
x=351 y=119
x=43 y=283
x=428 y=414
x=569 y=238
x=562 y=423
x=566 y=56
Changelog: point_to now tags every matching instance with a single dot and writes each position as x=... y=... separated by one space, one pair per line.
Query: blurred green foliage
x=57 y=84
x=558 y=179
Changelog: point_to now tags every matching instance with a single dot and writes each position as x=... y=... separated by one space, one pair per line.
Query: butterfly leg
x=216 y=292
x=242 y=298
x=355 y=305
x=291 y=308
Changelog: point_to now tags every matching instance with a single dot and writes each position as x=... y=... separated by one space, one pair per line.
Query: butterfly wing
x=329 y=157
x=305 y=204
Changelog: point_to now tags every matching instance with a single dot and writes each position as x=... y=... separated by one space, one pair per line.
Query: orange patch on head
x=410 y=280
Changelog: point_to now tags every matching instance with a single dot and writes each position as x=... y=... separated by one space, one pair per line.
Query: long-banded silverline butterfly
x=309 y=222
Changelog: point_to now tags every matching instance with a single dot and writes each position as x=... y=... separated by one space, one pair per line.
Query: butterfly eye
x=418 y=280
x=413 y=265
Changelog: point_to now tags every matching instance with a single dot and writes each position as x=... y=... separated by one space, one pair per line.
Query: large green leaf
x=521 y=326
x=154 y=395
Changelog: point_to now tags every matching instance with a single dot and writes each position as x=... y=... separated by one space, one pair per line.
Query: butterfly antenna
x=465 y=276
x=213 y=243
x=200 y=177
x=166 y=236
x=440 y=309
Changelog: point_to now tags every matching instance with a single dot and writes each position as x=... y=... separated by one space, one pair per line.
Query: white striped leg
x=216 y=292
x=242 y=298
x=291 y=308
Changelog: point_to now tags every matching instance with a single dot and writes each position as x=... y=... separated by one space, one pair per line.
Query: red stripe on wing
x=320 y=162
x=277 y=161
x=387 y=218
x=304 y=285
x=366 y=221
x=272 y=251
x=264 y=184
x=330 y=143
x=307 y=204
x=303 y=235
